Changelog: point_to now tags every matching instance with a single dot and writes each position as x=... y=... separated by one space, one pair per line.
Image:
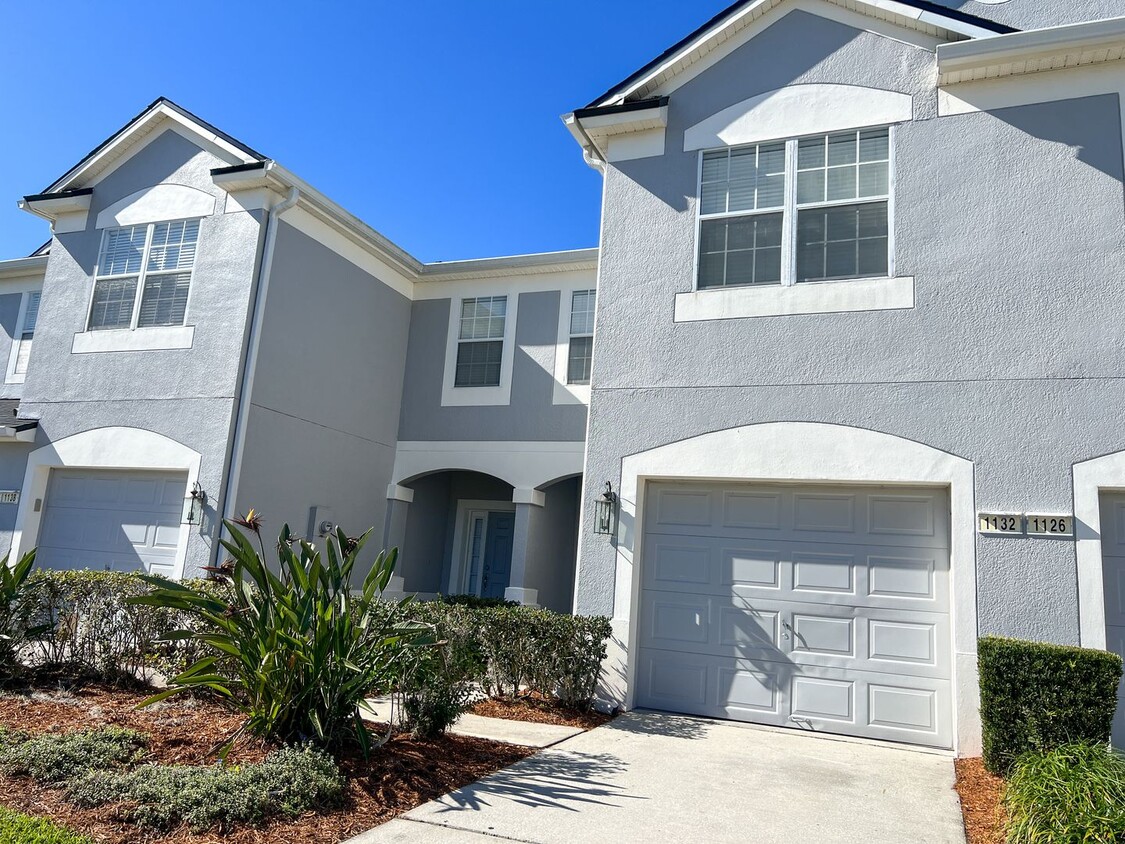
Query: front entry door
x=497 y=554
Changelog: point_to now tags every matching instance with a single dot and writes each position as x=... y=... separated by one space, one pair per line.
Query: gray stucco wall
x=1011 y=224
x=184 y=394
x=13 y=464
x=325 y=398
x=1032 y=14
x=531 y=414
x=552 y=547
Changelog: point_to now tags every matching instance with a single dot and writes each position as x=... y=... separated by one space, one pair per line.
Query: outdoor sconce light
x=605 y=511
x=193 y=505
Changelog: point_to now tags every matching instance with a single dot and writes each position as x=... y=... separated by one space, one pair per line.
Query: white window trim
x=462 y=535
x=565 y=392
x=11 y=376
x=789 y=210
x=501 y=394
x=141 y=275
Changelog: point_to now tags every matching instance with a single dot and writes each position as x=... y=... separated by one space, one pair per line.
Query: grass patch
x=1074 y=793
x=24 y=829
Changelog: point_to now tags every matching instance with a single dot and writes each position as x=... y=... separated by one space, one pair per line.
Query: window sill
x=476 y=396
x=825 y=297
x=134 y=340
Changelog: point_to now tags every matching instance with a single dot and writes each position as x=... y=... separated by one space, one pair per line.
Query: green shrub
x=438 y=683
x=305 y=648
x=520 y=648
x=18 y=828
x=1036 y=697
x=88 y=628
x=1072 y=793
x=288 y=782
x=57 y=757
x=476 y=601
x=15 y=626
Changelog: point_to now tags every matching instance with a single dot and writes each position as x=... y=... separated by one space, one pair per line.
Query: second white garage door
x=822 y=608
x=121 y=520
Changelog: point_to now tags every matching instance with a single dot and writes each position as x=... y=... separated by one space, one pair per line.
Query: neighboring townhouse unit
x=860 y=267
x=846 y=349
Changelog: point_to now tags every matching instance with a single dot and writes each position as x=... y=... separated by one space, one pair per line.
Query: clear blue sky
x=435 y=122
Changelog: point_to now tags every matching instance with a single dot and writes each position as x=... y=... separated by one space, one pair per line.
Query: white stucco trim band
x=133 y=339
x=100 y=448
x=804 y=452
x=1091 y=478
x=157 y=204
x=524 y=465
x=826 y=297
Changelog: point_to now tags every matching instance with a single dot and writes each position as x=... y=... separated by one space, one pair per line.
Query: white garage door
x=112 y=519
x=822 y=608
x=1113 y=587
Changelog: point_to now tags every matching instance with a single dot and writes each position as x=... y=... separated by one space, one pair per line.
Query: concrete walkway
x=653 y=777
x=525 y=733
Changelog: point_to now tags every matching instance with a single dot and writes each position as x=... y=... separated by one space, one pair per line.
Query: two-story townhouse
x=874 y=251
x=856 y=387
x=212 y=334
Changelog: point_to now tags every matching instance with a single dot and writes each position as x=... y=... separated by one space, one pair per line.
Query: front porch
x=466 y=532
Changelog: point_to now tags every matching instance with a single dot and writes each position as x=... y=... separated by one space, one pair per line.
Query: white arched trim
x=157 y=204
x=799 y=110
x=814 y=452
x=100 y=448
x=524 y=465
x=1091 y=478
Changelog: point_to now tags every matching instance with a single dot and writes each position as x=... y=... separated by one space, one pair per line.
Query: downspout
x=590 y=152
x=241 y=420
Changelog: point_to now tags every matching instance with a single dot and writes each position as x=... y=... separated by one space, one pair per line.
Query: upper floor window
x=480 y=342
x=26 y=333
x=808 y=209
x=580 y=353
x=155 y=259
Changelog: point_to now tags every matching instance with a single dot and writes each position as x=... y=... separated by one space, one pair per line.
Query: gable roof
x=921 y=14
x=156 y=113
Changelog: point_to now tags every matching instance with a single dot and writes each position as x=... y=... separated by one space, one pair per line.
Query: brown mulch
x=981 y=806
x=539 y=710
x=399 y=776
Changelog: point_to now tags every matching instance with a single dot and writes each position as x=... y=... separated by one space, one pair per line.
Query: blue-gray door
x=1113 y=580
x=497 y=554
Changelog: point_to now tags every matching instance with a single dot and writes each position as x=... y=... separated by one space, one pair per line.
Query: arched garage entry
x=798 y=455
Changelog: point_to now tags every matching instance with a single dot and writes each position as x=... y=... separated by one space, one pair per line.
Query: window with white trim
x=154 y=258
x=480 y=341
x=26 y=333
x=799 y=210
x=580 y=355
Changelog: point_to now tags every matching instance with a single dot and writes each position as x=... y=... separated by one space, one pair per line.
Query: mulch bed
x=981 y=805
x=401 y=775
x=539 y=710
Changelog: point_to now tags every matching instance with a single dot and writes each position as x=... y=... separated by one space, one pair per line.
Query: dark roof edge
x=923 y=5
x=636 y=105
x=158 y=101
x=35 y=197
x=240 y=168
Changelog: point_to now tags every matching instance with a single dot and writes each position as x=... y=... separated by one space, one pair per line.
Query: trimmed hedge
x=1035 y=697
x=24 y=829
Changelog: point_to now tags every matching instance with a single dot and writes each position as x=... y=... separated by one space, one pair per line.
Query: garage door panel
x=112 y=519
x=819 y=607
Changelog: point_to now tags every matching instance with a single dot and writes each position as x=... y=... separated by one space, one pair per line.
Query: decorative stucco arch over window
x=806 y=452
x=101 y=448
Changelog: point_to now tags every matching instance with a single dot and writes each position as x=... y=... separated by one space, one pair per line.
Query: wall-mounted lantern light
x=193 y=505
x=605 y=511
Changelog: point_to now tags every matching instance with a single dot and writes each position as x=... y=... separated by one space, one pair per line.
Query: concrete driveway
x=655 y=777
